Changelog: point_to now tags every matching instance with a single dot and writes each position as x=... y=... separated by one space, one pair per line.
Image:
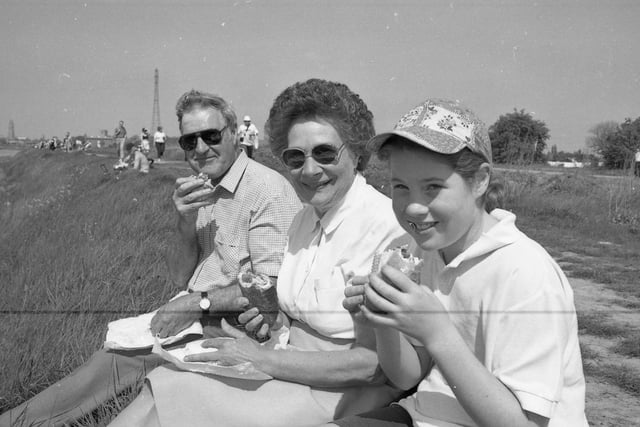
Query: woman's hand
x=354 y=294
x=176 y=315
x=399 y=303
x=190 y=195
x=254 y=324
x=231 y=351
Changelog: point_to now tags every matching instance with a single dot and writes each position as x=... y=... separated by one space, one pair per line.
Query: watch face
x=205 y=303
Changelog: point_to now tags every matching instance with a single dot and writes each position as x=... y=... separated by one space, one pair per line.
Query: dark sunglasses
x=323 y=154
x=210 y=137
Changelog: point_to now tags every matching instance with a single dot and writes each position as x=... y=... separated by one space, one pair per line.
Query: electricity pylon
x=155 y=117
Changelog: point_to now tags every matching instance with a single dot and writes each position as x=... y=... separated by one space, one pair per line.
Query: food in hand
x=261 y=293
x=204 y=178
x=401 y=259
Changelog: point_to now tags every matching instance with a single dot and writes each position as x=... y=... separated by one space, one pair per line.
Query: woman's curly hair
x=329 y=101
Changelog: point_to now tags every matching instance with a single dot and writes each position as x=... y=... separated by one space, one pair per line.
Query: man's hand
x=176 y=315
x=190 y=195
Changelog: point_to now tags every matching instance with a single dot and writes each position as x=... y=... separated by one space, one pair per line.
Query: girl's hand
x=399 y=303
x=254 y=324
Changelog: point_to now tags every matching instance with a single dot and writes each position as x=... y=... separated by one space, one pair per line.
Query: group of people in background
x=67 y=143
x=137 y=152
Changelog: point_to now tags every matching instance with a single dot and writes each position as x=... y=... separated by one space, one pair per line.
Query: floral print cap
x=442 y=126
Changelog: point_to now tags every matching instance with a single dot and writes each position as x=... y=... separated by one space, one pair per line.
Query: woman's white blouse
x=323 y=254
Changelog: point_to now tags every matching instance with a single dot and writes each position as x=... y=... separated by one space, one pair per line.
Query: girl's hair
x=465 y=163
x=329 y=101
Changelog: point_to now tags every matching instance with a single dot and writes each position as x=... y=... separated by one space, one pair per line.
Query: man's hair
x=196 y=98
x=329 y=101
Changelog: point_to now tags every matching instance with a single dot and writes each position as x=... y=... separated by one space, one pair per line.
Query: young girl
x=490 y=334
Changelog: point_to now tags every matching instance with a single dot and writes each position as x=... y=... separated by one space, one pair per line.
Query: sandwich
x=262 y=294
x=401 y=259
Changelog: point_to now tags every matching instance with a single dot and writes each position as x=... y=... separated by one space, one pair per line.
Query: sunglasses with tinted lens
x=323 y=154
x=210 y=137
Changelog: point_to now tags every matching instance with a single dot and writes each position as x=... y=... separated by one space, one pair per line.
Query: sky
x=81 y=66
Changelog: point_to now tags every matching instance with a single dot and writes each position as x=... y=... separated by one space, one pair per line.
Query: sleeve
x=526 y=342
x=271 y=217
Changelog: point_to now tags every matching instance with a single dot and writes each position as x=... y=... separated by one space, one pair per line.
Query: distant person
x=139 y=159
x=67 y=142
x=120 y=136
x=159 y=139
x=248 y=136
x=145 y=146
x=238 y=224
x=637 y=166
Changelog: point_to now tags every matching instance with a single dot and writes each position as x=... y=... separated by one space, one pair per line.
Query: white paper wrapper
x=134 y=333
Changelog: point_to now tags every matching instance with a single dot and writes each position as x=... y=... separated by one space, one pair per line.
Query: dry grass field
x=81 y=245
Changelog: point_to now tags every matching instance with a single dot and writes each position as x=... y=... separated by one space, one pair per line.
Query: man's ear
x=481 y=179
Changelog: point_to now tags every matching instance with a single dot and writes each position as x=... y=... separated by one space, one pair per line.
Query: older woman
x=318 y=129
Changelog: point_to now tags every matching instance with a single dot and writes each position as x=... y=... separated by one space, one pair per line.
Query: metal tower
x=12 y=133
x=155 y=117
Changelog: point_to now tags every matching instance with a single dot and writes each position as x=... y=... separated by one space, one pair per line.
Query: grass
x=82 y=245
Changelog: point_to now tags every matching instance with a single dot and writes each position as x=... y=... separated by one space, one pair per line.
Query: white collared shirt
x=322 y=254
x=513 y=306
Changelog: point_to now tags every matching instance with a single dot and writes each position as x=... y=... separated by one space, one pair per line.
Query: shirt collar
x=334 y=216
x=501 y=234
x=232 y=177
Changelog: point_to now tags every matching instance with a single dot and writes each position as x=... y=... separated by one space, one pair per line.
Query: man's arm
x=182 y=257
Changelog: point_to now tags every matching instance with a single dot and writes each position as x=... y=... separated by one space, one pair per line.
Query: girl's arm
x=487 y=401
x=417 y=312
x=403 y=364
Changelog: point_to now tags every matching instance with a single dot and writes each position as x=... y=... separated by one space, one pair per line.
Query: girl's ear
x=481 y=180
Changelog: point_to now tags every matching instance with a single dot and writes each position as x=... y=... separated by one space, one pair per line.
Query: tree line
x=518 y=138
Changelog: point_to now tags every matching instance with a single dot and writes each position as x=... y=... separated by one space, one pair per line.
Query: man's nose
x=201 y=147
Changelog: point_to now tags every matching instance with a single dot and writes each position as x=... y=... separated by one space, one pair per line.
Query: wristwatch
x=204 y=303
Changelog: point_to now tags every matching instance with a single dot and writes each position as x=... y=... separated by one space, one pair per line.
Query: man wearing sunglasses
x=236 y=223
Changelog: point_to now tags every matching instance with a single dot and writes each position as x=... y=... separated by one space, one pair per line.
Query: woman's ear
x=481 y=179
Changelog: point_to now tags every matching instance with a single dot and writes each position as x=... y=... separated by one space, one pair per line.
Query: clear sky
x=83 y=66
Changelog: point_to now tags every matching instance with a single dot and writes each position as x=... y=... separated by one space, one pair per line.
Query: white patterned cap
x=442 y=126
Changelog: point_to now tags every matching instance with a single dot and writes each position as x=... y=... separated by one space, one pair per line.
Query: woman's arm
x=356 y=366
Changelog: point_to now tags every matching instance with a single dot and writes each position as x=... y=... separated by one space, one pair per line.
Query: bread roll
x=261 y=293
